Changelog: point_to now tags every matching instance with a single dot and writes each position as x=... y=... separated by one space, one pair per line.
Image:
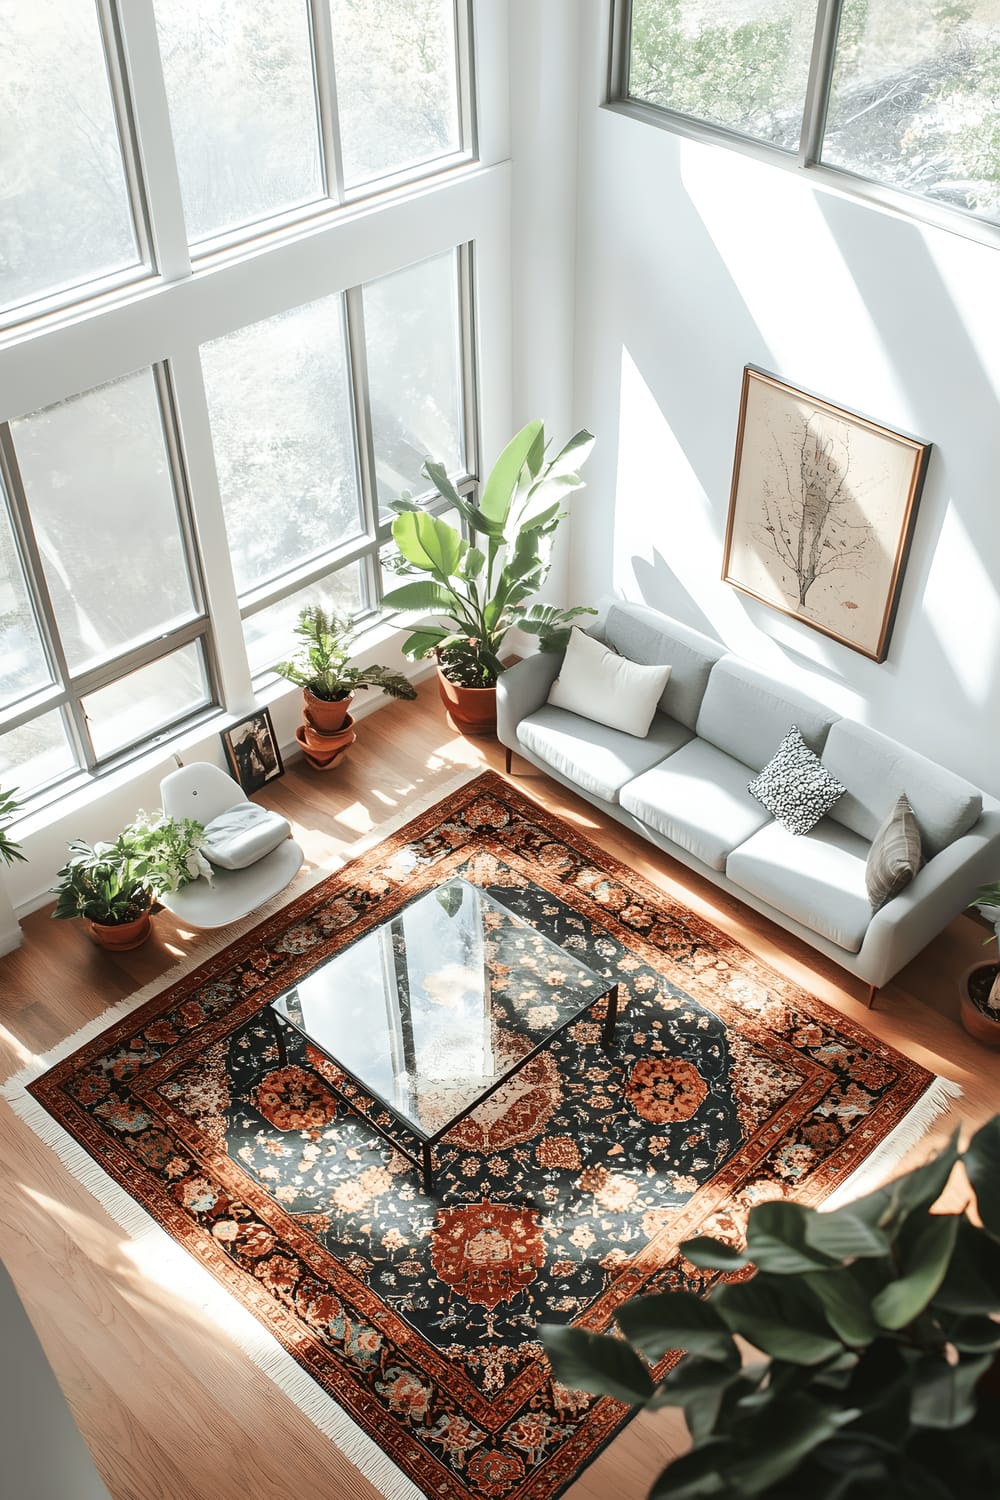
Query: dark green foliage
x=879 y=1321
x=322 y=664
x=481 y=591
x=9 y=805
x=113 y=883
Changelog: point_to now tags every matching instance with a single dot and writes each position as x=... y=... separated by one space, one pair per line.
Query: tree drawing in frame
x=821 y=512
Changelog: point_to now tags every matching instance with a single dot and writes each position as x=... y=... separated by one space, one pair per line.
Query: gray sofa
x=684 y=787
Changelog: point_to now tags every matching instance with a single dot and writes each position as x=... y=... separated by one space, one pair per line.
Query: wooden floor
x=171 y=1409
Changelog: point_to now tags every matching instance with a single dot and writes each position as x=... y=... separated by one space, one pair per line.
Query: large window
x=199 y=461
x=903 y=95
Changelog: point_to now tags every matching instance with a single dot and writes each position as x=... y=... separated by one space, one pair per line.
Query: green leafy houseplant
x=879 y=1325
x=481 y=592
x=115 y=883
x=989 y=895
x=9 y=850
x=322 y=665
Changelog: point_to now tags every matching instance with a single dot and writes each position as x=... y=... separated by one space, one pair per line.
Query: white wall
x=693 y=261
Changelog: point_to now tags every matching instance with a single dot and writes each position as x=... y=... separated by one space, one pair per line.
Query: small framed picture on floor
x=252 y=751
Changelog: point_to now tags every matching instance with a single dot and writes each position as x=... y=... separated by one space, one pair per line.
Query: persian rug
x=564 y=1195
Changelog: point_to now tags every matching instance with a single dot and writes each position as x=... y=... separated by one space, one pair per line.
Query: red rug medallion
x=563 y=1196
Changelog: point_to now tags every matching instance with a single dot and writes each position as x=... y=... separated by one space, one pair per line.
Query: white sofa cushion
x=244 y=834
x=877 y=771
x=644 y=635
x=816 y=878
x=596 y=758
x=596 y=683
x=746 y=713
x=699 y=799
x=795 y=786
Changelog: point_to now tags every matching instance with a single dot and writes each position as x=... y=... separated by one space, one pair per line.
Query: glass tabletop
x=429 y=1011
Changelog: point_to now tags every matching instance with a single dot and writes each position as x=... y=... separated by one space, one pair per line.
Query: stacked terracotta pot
x=327 y=732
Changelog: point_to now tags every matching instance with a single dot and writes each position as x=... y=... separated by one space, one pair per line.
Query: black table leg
x=279 y=1035
x=610 y=1019
x=426 y=1167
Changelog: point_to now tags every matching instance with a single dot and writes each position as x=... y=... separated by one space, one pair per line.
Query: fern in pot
x=979 y=993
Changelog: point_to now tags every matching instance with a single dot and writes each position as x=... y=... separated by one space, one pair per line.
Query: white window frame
x=807 y=159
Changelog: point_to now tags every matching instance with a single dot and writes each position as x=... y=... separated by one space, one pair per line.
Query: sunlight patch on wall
x=962 y=604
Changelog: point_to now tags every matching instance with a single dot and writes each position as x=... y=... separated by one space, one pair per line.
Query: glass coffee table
x=433 y=1011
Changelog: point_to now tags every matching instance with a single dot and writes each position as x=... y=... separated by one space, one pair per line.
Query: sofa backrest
x=652 y=639
x=747 y=713
x=876 y=770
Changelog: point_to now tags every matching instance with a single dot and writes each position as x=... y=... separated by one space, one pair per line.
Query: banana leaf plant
x=879 y=1326
x=9 y=806
x=481 y=591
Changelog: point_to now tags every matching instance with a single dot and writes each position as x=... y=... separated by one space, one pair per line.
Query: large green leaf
x=847 y=1309
x=438 y=476
x=422 y=642
x=498 y=492
x=925 y=1251
x=944 y=1395
x=426 y=595
x=972 y=1282
x=776 y=1239
x=696 y=1474
x=968 y=1333
x=845 y=1235
x=699 y=1385
x=784 y=1432
x=713 y=1255
x=779 y=1318
x=573 y=456
x=429 y=543
x=594 y=1362
x=674 y=1320
x=982 y=1163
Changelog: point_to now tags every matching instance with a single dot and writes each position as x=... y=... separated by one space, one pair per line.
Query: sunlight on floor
x=21 y=1052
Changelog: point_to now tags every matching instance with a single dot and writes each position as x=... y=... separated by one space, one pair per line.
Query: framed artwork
x=252 y=751
x=821 y=512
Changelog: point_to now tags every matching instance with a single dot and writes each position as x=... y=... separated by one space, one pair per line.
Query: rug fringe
x=163 y=1259
x=876 y=1169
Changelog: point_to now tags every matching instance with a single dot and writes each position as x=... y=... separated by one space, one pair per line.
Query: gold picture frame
x=821 y=512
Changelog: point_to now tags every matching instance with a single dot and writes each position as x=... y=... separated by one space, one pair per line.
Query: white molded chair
x=250 y=848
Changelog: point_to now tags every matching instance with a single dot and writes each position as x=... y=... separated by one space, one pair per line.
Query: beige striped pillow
x=895 y=855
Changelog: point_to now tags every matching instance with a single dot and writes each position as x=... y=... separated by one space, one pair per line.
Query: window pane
x=101 y=500
x=397 y=84
x=135 y=707
x=270 y=633
x=66 y=212
x=22 y=659
x=916 y=100
x=414 y=340
x=282 y=425
x=35 y=754
x=242 y=107
x=744 y=65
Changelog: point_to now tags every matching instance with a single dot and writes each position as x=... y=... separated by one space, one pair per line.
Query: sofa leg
x=872 y=992
x=509 y=757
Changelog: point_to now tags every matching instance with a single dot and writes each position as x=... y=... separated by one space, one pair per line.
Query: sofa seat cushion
x=816 y=878
x=698 y=799
x=596 y=758
x=244 y=834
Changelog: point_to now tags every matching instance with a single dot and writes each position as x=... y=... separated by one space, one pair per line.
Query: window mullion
x=364 y=437
x=465 y=72
x=221 y=599
x=470 y=387
x=154 y=144
x=818 y=86
x=326 y=98
x=41 y=599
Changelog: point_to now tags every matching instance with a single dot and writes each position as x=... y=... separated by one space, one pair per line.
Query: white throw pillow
x=598 y=684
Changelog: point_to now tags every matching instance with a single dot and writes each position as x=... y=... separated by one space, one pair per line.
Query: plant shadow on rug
x=563 y=1196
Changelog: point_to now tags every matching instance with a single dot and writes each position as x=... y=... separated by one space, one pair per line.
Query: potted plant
x=9 y=805
x=481 y=591
x=979 y=993
x=322 y=670
x=113 y=885
x=877 y=1323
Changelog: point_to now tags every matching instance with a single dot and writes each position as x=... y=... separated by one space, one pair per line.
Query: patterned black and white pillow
x=795 y=786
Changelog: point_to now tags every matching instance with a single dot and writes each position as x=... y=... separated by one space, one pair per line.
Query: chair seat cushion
x=817 y=878
x=243 y=834
x=598 y=759
x=698 y=799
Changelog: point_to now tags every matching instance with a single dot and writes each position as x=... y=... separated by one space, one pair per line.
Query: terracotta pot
x=973 y=990
x=470 y=710
x=332 y=747
x=119 y=937
x=326 y=716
